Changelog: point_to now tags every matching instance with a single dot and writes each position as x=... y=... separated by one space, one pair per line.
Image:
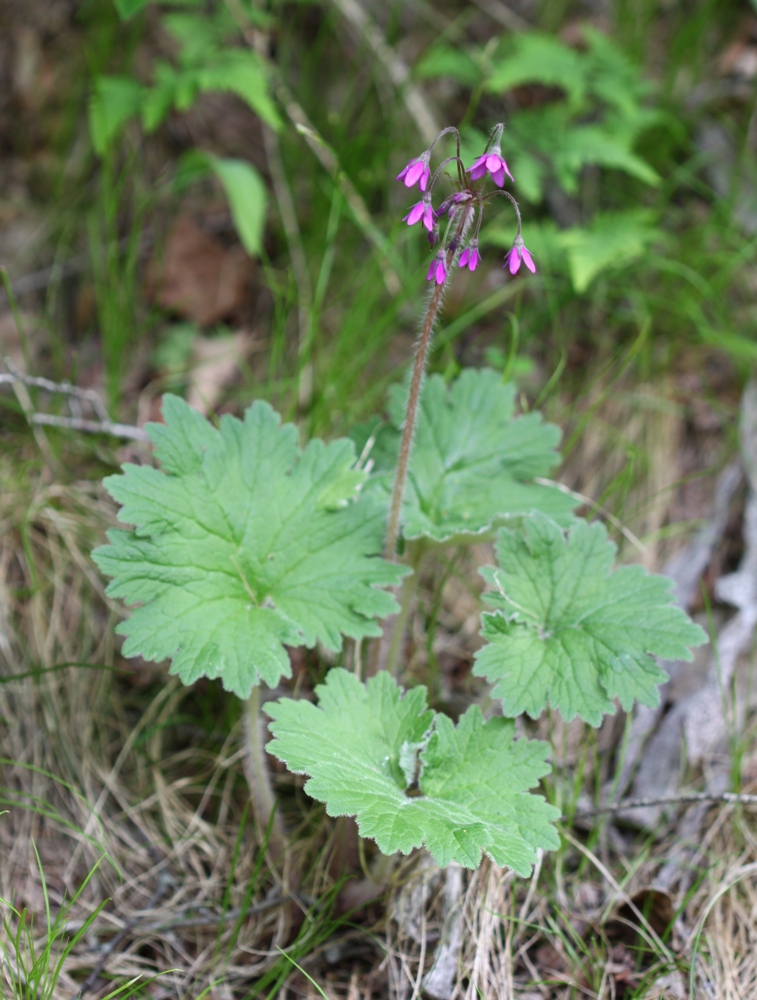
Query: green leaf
x=364 y=745
x=160 y=98
x=114 y=100
x=241 y=73
x=247 y=199
x=448 y=60
x=612 y=77
x=198 y=36
x=594 y=144
x=532 y=175
x=473 y=462
x=540 y=59
x=206 y=69
x=128 y=8
x=614 y=239
x=243 y=544
x=244 y=189
x=571 y=633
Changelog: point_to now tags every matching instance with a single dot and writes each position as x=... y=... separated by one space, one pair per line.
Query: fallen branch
x=62 y=388
x=686 y=798
x=92 y=426
x=19 y=381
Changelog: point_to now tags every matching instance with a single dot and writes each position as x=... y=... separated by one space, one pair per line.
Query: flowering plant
x=244 y=544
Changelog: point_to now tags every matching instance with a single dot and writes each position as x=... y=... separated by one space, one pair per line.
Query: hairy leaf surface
x=473 y=462
x=412 y=777
x=572 y=633
x=243 y=543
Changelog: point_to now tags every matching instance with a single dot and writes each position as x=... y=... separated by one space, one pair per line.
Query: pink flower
x=470 y=257
x=438 y=270
x=494 y=163
x=416 y=172
x=518 y=254
x=421 y=210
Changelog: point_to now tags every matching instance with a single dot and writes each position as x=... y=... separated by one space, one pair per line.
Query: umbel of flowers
x=461 y=213
x=452 y=228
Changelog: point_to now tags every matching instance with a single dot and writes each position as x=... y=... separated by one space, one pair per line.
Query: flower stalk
x=259 y=777
x=416 y=381
x=419 y=365
x=461 y=209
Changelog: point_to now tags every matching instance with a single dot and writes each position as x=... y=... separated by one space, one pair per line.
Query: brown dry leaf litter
x=198 y=277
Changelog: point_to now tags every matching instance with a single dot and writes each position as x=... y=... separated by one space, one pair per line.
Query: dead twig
x=330 y=163
x=328 y=160
x=92 y=426
x=25 y=402
x=439 y=981
x=203 y=918
x=63 y=388
x=602 y=511
x=686 y=798
x=19 y=382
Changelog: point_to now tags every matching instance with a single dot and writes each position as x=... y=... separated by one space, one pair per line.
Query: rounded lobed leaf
x=571 y=633
x=411 y=777
x=241 y=545
x=473 y=461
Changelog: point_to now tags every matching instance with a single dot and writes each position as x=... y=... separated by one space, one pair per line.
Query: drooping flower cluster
x=463 y=208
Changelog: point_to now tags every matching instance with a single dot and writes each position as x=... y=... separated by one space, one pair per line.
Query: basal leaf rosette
x=411 y=777
x=242 y=544
x=572 y=633
x=473 y=461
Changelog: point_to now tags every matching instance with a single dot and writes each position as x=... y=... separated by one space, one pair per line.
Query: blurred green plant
x=206 y=60
x=588 y=111
x=615 y=157
x=591 y=109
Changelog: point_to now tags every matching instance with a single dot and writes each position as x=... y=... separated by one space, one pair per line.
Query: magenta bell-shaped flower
x=421 y=211
x=438 y=270
x=518 y=254
x=470 y=257
x=494 y=163
x=416 y=172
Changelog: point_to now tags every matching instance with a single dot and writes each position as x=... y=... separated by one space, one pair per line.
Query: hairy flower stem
x=384 y=648
x=421 y=354
x=259 y=778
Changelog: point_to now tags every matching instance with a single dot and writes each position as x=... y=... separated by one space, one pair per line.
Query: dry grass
x=88 y=776
x=107 y=766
